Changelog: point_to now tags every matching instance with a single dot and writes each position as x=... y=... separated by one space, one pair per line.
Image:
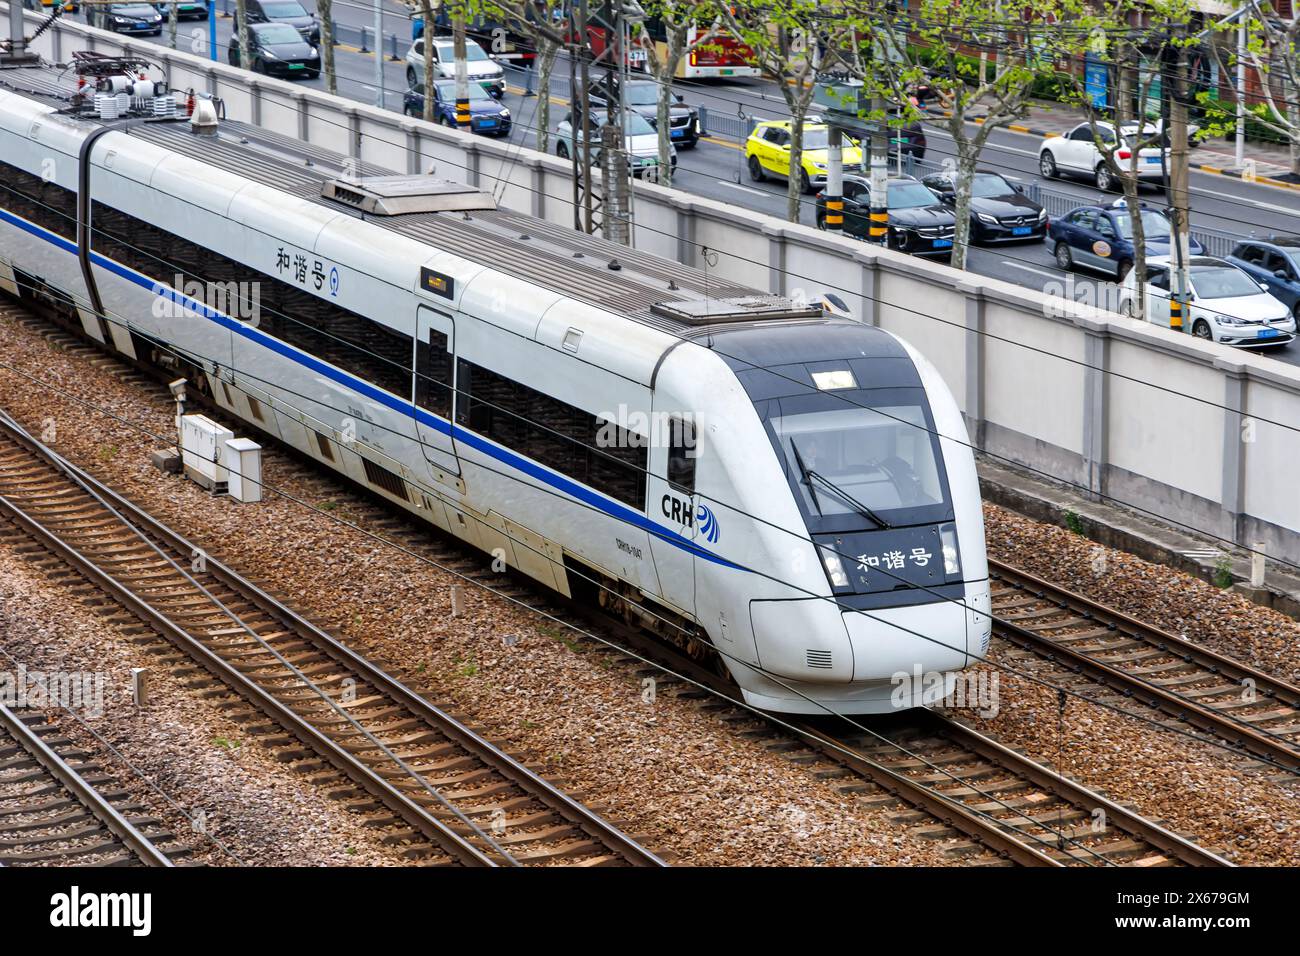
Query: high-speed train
x=786 y=491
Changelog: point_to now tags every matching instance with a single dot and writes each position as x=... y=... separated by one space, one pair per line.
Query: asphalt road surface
x=716 y=166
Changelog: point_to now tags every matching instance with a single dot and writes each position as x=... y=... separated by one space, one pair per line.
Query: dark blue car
x=486 y=114
x=1101 y=237
x=1274 y=263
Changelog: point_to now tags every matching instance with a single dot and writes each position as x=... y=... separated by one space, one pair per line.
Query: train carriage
x=790 y=491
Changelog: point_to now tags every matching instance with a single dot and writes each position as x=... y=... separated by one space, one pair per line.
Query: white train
x=721 y=466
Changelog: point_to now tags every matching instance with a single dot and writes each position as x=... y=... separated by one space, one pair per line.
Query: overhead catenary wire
x=1055 y=356
x=834 y=745
x=775 y=678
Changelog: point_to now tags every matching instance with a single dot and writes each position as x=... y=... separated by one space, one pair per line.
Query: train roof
x=654 y=291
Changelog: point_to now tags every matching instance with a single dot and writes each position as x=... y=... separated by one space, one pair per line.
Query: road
x=715 y=167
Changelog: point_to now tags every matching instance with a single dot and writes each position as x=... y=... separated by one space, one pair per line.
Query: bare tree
x=677 y=18
x=791 y=44
x=241 y=24
x=544 y=23
x=935 y=42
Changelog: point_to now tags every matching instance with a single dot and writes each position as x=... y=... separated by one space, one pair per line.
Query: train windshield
x=859 y=459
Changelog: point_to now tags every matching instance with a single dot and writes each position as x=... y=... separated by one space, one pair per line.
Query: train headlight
x=834 y=568
x=951 y=556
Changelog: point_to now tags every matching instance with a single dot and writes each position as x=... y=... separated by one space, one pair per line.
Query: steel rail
x=113 y=819
x=1272 y=747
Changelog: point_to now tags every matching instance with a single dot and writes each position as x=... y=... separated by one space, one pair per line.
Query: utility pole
x=462 y=69
x=1241 y=95
x=379 y=54
x=835 y=179
x=878 y=231
x=1180 y=204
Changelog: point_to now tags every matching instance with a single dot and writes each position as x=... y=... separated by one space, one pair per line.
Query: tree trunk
x=241 y=15
x=426 y=12
x=547 y=53
x=794 y=188
x=663 y=108
x=172 y=16
x=968 y=151
x=325 y=10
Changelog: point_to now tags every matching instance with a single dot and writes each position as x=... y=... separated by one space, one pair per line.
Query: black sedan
x=643 y=98
x=919 y=222
x=138 y=18
x=290 y=12
x=276 y=48
x=999 y=209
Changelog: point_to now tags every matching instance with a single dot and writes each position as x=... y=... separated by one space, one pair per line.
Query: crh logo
x=708 y=523
x=680 y=512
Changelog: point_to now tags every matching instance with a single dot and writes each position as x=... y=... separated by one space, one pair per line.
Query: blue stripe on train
x=472 y=439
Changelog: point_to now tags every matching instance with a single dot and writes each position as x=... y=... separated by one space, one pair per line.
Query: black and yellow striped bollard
x=462 y=112
x=879 y=225
x=834 y=212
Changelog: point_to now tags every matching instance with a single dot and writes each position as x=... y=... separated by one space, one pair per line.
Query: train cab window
x=682 y=455
x=433 y=370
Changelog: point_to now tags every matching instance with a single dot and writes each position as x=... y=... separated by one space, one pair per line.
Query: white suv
x=1227 y=305
x=1076 y=154
x=478 y=65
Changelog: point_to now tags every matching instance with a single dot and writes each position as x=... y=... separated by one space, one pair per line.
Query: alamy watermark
x=239 y=300
x=73 y=690
x=629 y=428
x=973 y=689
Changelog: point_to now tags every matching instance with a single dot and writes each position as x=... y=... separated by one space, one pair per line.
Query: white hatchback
x=479 y=67
x=1076 y=154
x=1227 y=305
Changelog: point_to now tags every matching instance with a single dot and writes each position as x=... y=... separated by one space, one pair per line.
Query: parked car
x=69 y=6
x=999 y=208
x=486 y=114
x=919 y=221
x=289 y=12
x=138 y=18
x=1226 y=304
x=1101 y=237
x=478 y=65
x=1076 y=154
x=767 y=153
x=1276 y=264
x=278 y=49
x=640 y=141
x=184 y=11
x=642 y=96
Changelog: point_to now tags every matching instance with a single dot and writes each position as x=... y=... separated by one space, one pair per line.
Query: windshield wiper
x=810 y=476
x=807 y=476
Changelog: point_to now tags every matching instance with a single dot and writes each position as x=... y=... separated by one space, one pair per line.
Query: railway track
x=460 y=796
x=58 y=808
x=994 y=806
x=1186 y=682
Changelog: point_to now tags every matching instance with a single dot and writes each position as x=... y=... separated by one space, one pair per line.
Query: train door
x=673 y=505
x=435 y=387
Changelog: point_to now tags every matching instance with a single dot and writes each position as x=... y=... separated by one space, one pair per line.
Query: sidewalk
x=1272 y=163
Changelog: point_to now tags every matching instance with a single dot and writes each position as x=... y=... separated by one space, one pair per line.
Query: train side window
x=681 y=456
x=433 y=372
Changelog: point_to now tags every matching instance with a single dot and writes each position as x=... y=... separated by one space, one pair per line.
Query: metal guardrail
x=728 y=125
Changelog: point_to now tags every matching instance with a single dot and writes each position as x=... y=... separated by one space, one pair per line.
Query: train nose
x=891 y=641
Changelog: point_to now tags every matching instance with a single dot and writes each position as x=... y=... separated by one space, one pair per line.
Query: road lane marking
x=1034 y=269
x=748 y=189
x=722 y=142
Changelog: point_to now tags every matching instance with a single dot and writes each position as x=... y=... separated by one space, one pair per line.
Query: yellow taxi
x=767 y=153
x=69 y=6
